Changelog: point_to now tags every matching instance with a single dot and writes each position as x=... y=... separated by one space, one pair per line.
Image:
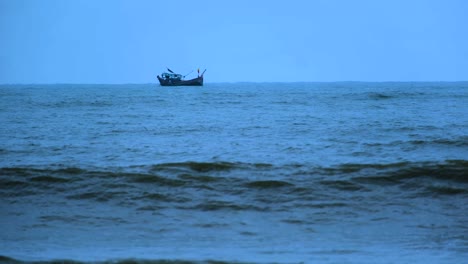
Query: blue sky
x=112 y=41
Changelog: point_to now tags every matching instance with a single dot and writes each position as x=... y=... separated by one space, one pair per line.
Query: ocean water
x=235 y=172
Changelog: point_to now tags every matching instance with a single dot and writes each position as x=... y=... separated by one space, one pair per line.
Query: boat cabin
x=171 y=76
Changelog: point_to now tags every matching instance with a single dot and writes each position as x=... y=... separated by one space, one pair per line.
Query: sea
x=335 y=172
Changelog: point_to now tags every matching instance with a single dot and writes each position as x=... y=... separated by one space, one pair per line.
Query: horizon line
x=227 y=82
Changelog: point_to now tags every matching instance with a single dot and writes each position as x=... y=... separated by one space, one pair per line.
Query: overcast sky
x=111 y=41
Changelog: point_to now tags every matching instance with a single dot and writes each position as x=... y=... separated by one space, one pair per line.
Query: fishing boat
x=174 y=79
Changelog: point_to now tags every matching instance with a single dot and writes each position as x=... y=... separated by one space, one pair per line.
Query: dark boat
x=175 y=79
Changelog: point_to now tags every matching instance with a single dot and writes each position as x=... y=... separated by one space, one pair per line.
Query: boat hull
x=193 y=82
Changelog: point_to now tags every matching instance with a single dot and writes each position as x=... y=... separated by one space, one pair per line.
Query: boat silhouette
x=174 y=79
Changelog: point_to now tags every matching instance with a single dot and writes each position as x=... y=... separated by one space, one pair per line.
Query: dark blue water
x=235 y=172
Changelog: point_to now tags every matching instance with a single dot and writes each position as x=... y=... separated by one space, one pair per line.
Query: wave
x=380 y=96
x=235 y=186
x=208 y=166
x=458 y=142
x=268 y=184
x=445 y=190
x=8 y=260
x=197 y=166
x=461 y=141
x=224 y=205
x=388 y=95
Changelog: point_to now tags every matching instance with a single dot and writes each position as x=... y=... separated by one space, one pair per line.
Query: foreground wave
x=262 y=187
x=7 y=260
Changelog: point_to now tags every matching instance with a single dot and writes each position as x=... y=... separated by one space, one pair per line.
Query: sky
x=117 y=41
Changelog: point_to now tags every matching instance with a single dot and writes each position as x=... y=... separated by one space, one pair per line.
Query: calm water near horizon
x=347 y=172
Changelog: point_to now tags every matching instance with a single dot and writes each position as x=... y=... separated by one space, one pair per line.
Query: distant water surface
x=235 y=172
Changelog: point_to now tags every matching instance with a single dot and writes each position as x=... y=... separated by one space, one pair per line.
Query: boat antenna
x=188 y=73
x=169 y=70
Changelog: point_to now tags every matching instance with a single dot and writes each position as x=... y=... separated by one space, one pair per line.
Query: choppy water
x=241 y=172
